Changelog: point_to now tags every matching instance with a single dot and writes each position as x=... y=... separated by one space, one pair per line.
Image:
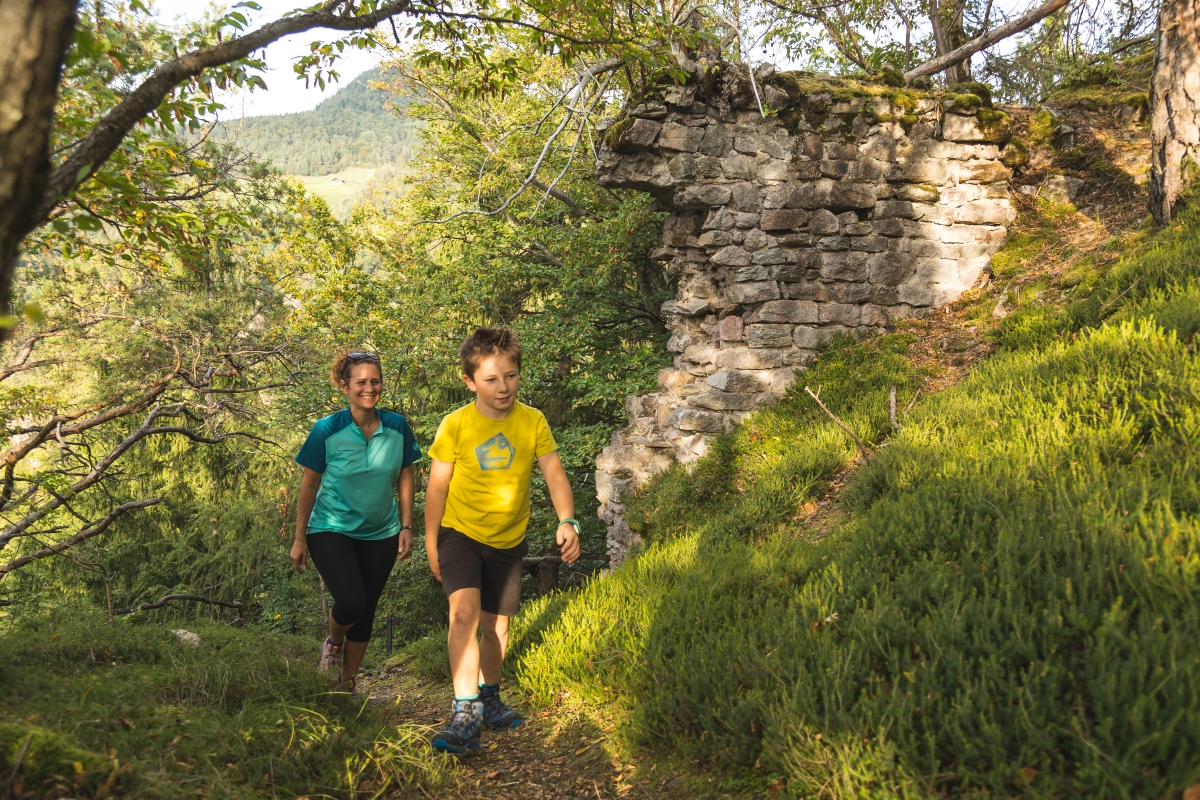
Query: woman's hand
x=405 y=543
x=300 y=554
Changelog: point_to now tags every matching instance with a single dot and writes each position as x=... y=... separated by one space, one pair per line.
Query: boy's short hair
x=485 y=343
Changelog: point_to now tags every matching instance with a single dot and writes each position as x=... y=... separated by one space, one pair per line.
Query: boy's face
x=495 y=384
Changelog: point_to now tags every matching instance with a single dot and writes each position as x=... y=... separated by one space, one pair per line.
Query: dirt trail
x=553 y=756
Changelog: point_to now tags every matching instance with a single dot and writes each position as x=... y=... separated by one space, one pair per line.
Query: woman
x=355 y=464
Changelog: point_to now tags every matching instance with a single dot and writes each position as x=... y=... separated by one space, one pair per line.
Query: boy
x=476 y=511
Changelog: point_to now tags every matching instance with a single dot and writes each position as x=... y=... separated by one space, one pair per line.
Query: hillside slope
x=353 y=128
x=1002 y=601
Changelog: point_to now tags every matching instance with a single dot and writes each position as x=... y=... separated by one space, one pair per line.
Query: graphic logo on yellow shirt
x=496 y=453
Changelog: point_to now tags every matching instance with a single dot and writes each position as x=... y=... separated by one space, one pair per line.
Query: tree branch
x=866 y=451
x=958 y=55
x=168 y=599
x=106 y=136
x=86 y=533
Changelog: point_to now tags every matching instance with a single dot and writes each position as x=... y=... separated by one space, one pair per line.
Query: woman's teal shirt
x=358 y=477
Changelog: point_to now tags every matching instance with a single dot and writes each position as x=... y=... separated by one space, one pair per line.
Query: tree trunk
x=1174 y=106
x=34 y=35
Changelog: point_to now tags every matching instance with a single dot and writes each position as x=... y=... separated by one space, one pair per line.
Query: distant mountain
x=350 y=129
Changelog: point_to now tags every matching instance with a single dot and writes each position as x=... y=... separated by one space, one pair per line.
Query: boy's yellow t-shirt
x=493 y=463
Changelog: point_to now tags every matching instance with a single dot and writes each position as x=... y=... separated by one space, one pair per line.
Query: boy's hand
x=568 y=540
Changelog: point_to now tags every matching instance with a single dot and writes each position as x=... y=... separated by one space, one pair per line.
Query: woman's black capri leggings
x=355 y=572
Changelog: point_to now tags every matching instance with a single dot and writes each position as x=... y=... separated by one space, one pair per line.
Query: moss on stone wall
x=996 y=125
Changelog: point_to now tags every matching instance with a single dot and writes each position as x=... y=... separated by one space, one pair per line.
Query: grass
x=1007 y=604
x=335 y=194
x=131 y=711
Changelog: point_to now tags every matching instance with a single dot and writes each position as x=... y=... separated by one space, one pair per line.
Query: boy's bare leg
x=461 y=642
x=493 y=644
x=352 y=658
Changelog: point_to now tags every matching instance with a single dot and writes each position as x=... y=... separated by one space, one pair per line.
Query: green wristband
x=574 y=523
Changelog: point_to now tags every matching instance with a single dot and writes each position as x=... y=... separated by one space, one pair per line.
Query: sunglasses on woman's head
x=361 y=356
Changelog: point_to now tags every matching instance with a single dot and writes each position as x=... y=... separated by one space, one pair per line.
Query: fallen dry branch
x=171 y=598
x=866 y=451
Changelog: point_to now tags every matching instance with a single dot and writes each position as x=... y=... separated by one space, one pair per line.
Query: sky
x=286 y=94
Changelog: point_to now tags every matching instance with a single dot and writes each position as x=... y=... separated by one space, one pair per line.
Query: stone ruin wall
x=849 y=207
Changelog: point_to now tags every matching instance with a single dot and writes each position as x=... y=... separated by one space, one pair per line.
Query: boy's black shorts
x=496 y=573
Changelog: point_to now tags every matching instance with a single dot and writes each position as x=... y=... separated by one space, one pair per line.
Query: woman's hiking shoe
x=462 y=731
x=350 y=686
x=496 y=714
x=331 y=655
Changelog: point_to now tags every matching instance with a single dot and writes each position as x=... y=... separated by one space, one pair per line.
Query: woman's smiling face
x=364 y=387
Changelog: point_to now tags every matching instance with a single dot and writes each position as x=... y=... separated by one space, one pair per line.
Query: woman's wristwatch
x=406 y=527
x=574 y=523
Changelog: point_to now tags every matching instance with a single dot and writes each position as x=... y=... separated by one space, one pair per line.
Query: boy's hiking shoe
x=462 y=731
x=496 y=714
x=331 y=655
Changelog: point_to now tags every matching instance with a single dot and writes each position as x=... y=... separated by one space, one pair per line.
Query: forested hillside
x=353 y=128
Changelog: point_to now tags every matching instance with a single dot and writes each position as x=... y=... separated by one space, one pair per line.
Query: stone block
x=756 y=292
x=770 y=146
x=723 y=401
x=888 y=227
x=983 y=171
x=807 y=290
x=746 y=219
x=720 y=219
x=839 y=313
x=844 y=265
x=791 y=311
x=918 y=192
x=708 y=167
x=755 y=240
x=811 y=194
x=832 y=243
x=730 y=330
x=893 y=209
x=699 y=353
x=805 y=170
x=758 y=272
x=809 y=338
x=638 y=135
x=702 y=196
x=1061 y=189
x=773 y=170
x=849 y=292
x=992 y=212
x=682 y=167
x=872 y=315
x=869 y=244
x=852 y=195
x=884 y=295
x=835 y=170
x=745 y=197
x=694 y=419
x=865 y=170
x=845 y=151
x=959 y=128
x=738 y=167
x=732 y=380
x=916 y=169
x=778 y=219
x=768 y=335
x=915 y=294
x=715 y=142
x=680 y=137
x=747 y=359
x=716 y=238
x=823 y=222
x=772 y=255
x=731 y=256
x=746 y=144
x=672 y=380
x=891 y=269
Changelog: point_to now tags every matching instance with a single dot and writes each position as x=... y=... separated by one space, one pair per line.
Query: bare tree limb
x=559 y=194
x=862 y=446
x=87 y=533
x=95 y=148
x=170 y=598
x=960 y=54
